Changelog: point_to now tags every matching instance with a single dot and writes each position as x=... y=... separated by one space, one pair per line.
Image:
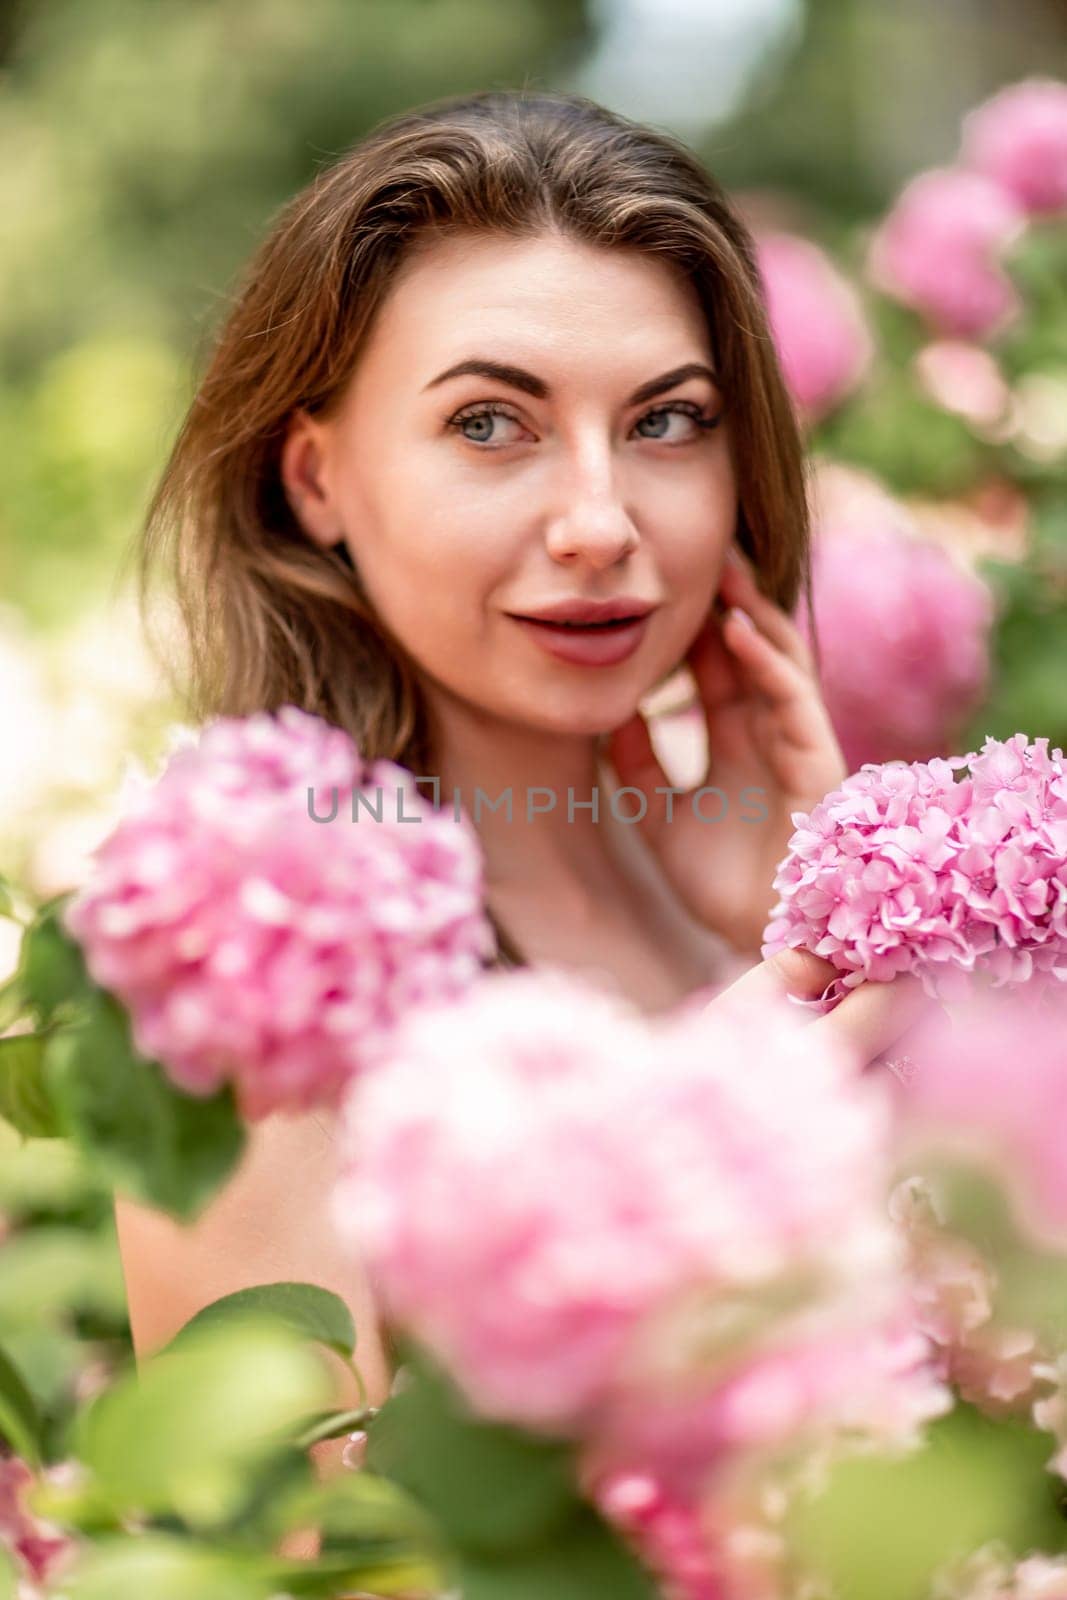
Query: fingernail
x=743 y=617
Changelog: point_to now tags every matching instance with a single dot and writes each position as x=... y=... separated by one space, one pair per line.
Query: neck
x=529 y=796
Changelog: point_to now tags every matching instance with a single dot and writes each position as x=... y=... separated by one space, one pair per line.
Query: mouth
x=587 y=644
x=583 y=627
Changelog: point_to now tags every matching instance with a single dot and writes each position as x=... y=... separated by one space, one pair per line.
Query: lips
x=587 y=613
x=582 y=627
x=588 y=645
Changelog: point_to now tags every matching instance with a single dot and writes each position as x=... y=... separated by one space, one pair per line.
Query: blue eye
x=684 y=408
x=484 y=412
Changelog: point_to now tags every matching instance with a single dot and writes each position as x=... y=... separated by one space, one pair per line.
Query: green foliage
x=164 y=1147
x=426 y=1439
x=80 y=1075
x=307 y=1309
x=585 y=1558
x=531 y=1535
x=167 y=1568
x=1031 y=1281
x=882 y=1526
x=24 y=1101
x=8 y=1577
x=182 y=1434
x=51 y=979
x=19 y=1423
x=1030 y=642
x=892 y=429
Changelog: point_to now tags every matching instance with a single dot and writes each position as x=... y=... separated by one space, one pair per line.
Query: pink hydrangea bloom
x=254 y=941
x=1019 y=139
x=939 y=250
x=668 y=1534
x=988 y=1087
x=906 y=868
x=904 y=634
x=1050 y=1407
x=38 y=1549
x=591 y=1217
x=965 y=379
x=990 y=1078
x=822 y=338
x=990 y=1364
x=835 y=1371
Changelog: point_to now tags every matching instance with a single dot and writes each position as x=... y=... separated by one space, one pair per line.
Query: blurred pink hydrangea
x=939 y=250
x=822 y=338
x=987 y=1088
x=1019 y=139
x=995 y=1573
x=39 y=1550
x=989 y=1362
x=991 y=1078
x=965 y=379
x=256 y=933
x=668 y=1534
x=904 y=633
x=906 y=868
x=664 y=1237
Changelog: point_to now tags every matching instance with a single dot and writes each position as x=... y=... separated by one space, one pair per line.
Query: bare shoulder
x=270 y=1223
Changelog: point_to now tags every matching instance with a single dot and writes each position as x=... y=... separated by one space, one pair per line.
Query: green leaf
x=7 y=900
x=584 y=1561
x=19 y=1422
x=185 y=1433
x=306 y=1308
x=372 y=1537
x=50 y=1271
x=52 y=969
x=164 y=1568
x=331 y=1579
x=426 y=1439
x=355 y=1507
x=12 y=1003
x=169 y=1149
x=24 y=1099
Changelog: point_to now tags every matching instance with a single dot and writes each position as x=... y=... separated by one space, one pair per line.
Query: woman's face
x=468 y=499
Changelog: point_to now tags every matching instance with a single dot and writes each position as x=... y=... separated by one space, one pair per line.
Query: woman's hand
x=871 y=1019
x=768 y=732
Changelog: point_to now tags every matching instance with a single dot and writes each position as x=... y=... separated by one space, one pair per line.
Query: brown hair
x=272 y=619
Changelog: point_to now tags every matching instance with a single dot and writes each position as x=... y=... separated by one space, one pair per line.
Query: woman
x=509 y=354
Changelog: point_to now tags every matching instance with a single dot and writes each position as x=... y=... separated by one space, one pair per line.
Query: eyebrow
x=518 y=378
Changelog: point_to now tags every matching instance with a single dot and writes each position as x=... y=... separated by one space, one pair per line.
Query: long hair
x=272 y=619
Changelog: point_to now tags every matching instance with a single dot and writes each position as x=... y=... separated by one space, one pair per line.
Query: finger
x=785 y=686
x=637 y=766
x=712 y=665
x=874 y=1016
x=738 y=587
x=789 y=972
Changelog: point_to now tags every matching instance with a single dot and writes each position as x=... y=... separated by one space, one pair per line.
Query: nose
x=595 y=526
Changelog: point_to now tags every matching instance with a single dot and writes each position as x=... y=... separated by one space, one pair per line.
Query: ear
x=303 y=469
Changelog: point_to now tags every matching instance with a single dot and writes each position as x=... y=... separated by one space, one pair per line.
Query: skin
x=580 y=493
